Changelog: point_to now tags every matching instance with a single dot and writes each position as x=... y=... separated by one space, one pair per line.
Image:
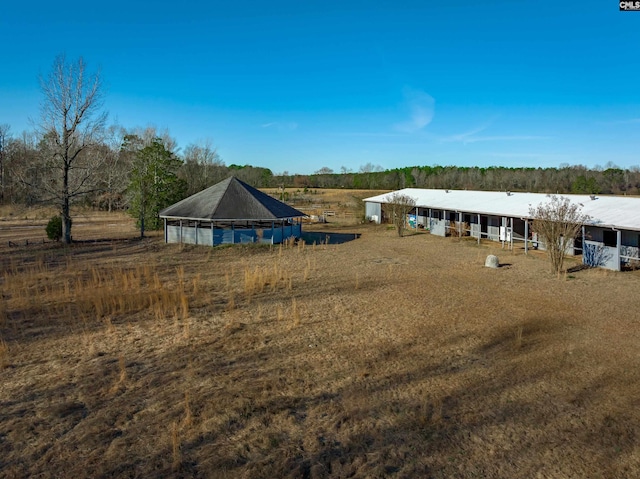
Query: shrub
x=54 y=228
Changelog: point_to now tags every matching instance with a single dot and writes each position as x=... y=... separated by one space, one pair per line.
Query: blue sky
x=299 y=85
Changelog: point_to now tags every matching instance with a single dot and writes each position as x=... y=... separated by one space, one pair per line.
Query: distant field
x=340 y=202
x=378 y=357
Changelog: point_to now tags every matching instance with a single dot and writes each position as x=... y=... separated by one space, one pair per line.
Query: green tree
x=154 y=183
x=585 y=185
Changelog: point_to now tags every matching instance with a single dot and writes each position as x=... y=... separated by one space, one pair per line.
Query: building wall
x=438 y=227
x=610 y=256
x=187 y=235
x=373 y=211
x=630 y=247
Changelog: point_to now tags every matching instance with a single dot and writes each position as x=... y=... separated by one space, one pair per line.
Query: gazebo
x=230 y=212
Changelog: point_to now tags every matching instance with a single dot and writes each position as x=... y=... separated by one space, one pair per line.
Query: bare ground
x=379 y=357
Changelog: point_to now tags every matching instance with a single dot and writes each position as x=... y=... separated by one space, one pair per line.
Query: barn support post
x=180 y=231
x=429 y=220
x=618 y=244
x=479 y=228
x=583 y=237
x=196 y=227
x=444 y=212
x=511 y=233
x=212 y=241
x=526 y=236
x=166 y=234
x=459 y=224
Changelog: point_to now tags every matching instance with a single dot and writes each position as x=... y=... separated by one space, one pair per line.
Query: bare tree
x=4 y=140
x=71 y=126
x=557 y=223
x=115 y=170
x=202 y=167
x=24 y=168
x=400 y=205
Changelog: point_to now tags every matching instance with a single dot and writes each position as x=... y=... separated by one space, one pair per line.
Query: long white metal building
x=611 y=238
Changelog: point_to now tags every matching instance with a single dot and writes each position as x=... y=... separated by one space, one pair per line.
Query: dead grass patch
x=379 y=357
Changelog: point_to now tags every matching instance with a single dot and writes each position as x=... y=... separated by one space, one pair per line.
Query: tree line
x=73 y=157
x=579 y=179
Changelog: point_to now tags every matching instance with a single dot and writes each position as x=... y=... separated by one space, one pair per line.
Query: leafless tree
x=202 y=167
x=149 y=135
x=24 y=170
x=557 y=222
x=4 y=140
x=400 y=205
x=115 y=170
x=71 y=127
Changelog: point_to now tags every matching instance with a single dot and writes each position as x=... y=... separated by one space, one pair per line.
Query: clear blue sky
x=298 y=85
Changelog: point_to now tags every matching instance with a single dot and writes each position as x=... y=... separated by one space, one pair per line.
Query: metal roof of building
x=619 y=212
x=231 y=199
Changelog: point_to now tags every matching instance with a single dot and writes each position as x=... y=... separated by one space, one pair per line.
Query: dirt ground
x=378 y=357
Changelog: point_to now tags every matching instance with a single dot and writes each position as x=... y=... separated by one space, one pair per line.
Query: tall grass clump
x=99 y=293
x=4 y=354
x=175 y=446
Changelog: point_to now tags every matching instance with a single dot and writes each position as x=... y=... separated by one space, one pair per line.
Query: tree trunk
x=66 y=208
x=66 y=227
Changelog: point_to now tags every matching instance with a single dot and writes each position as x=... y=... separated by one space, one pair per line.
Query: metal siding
x=173 y=234
x=373 y=209
x=204 y=236
x=188 y=235
x=598 y=255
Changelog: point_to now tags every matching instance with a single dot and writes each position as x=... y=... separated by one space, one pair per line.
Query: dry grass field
x=379 y=357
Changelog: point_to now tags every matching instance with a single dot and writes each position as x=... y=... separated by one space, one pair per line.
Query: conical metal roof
x=230 y=199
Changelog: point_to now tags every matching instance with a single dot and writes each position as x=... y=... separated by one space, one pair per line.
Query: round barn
x=230 y=212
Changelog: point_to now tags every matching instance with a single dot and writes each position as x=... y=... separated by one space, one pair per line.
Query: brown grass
x=381 y=357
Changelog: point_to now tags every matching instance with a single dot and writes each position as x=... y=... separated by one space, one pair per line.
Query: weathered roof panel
x=231 y=199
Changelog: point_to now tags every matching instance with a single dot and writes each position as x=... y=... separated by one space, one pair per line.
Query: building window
x=610 y=238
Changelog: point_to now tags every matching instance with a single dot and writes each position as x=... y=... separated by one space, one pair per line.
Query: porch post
x=445 y=221
x=511 y=235
x=618 y=244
